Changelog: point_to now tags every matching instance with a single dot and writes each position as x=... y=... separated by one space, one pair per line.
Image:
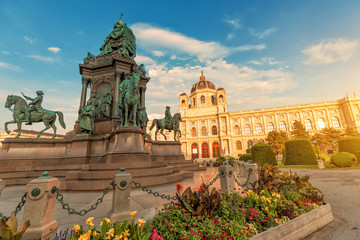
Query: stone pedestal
x=252 y=169
x=39 y=208
x=320 y=163
x=2 y=185
x=227 y=181
x=168 y=151
x=121 y=197
x=127 y=140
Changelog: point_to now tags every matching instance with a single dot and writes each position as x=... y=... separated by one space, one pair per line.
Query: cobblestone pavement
x=341 y=188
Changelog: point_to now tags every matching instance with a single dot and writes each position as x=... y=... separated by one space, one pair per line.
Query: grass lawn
x=328 y=166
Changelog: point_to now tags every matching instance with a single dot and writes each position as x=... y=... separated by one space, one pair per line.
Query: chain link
x=18 y=207
x=83 y=212
x=156 y=194
x=247 y=179
x=213 y=181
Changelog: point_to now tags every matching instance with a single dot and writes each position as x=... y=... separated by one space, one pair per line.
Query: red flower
x=179 y=187
x=183 y=211
x=194 y=224
x=171 y=229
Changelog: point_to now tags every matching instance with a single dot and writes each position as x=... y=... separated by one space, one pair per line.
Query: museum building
x=209 y=130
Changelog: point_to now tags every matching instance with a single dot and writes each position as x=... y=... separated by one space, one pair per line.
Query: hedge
x=351 y=145
x=263 y=153
x=245 y=157
x=343 y=159
x=299 y=152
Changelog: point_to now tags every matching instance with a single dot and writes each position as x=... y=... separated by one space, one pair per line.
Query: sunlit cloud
x=330 y=51
x=263 y=34
x=144 y=59
x=157 y=53
x=54 y=49
x=9 y=66
x=264 y=60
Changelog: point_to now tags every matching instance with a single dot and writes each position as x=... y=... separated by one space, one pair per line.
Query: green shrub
x=245 y=157
x=263 y=153
x=343 y=159
x=220 y=160
x=299 y=152
x=324 y=157
x=231 y=160
x=248 y=150
x=350 y=145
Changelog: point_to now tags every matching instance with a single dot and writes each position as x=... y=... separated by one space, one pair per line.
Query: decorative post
x=2 y=185
x=40 y=207
x=227 y=181
x=252 y=170
x=116 y=95
x=85 y=82
x=142 y=96
x=121 y=197
x=241 y=168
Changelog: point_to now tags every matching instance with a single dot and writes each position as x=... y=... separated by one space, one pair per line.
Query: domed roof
x=202 y=84
x=183 y=94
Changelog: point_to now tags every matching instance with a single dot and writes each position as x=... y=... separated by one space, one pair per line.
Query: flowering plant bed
x=208 y=214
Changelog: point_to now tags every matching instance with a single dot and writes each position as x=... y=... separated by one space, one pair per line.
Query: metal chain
x=213 y=181
x=247 y=180
x=156 y=194
x=18 y=207
x=83 y=212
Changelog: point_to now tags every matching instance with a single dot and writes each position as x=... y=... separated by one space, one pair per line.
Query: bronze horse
x=160 y=125
x=46 y=116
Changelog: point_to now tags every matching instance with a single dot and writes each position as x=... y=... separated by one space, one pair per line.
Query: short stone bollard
x=227 y=181
x=320 y=163
x=40 y=207
x=252 y=170
x=2 y=185
x=121 y=196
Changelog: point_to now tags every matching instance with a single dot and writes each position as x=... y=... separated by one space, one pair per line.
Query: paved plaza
x=341 y=189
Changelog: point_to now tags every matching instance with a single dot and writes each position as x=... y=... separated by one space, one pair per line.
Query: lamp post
x=320 y=162
x=317 y=152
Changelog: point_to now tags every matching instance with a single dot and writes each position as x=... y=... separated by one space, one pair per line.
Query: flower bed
x=209 y=214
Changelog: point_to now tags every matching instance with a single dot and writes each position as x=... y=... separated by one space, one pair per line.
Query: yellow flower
x=118 y=237
x=267 y=209
x=141 y=222
x=76 y=228
x=95 y=234
x=250 y=192
x=110 y=233
x=107 y=220
x=133 y=214
x=89 y=221
x=126 y=233
x=273 y=194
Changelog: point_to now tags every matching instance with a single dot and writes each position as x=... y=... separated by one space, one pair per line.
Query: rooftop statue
x=129 y=99
x=121 y=39
x=32 y=112
x=90 y=58
x=169 y=123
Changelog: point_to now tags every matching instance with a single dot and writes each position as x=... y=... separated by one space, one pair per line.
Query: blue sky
x=264 y=53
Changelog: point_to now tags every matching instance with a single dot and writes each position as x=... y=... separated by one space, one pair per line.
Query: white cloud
x=5 y=52
x=54 y=49
x=30 y=40
x=155 y=116
x=264 y=60
x=144 y=60
x=230 y=36
x=43 y=58
x=157 y=53
x=234 y=22
x=9 y=66
x=154 y=38
x=263 y=34
x=330 y=51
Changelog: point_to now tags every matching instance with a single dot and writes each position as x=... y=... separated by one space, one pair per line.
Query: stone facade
x=210 y=130
x=27 y=134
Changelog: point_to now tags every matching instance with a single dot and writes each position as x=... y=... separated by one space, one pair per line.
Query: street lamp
x=317 y=152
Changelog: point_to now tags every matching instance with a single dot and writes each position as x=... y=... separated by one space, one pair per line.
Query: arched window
x=213 y=100
x=193 y=132
x=203 y=131
x=194 y=151
x=283 y=126
x=238 y=145
x=262 y=140
x=221 y=98
x=214 y=130
x=308 y=124
x=202 y=99
x=194 y=102
x=250 y=144
x=336 y=122
x=205 y=150
x=259 y=129
x=270 y=126
x=216 y=149
x=183 y=103
x=321 y=123
x=247 y=129
x=236 y=130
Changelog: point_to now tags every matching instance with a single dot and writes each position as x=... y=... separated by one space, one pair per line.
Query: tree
x=277 y=141
x=349 y=131
x=299 y=131
x=327 y=137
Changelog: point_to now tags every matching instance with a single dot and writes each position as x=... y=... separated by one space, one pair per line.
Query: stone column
x=227 y=181
x=116 y=95
x=2 y=185
x=85 y=82
x=121 y=197
x=252 y=171
x=142 y=96
x=39 y=207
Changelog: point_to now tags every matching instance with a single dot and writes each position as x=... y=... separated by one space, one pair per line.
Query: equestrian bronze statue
x=32 y=113
x=169 y=123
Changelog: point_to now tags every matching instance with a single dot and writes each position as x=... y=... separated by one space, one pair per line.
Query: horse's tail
x=61 y=119
x=153 y=124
